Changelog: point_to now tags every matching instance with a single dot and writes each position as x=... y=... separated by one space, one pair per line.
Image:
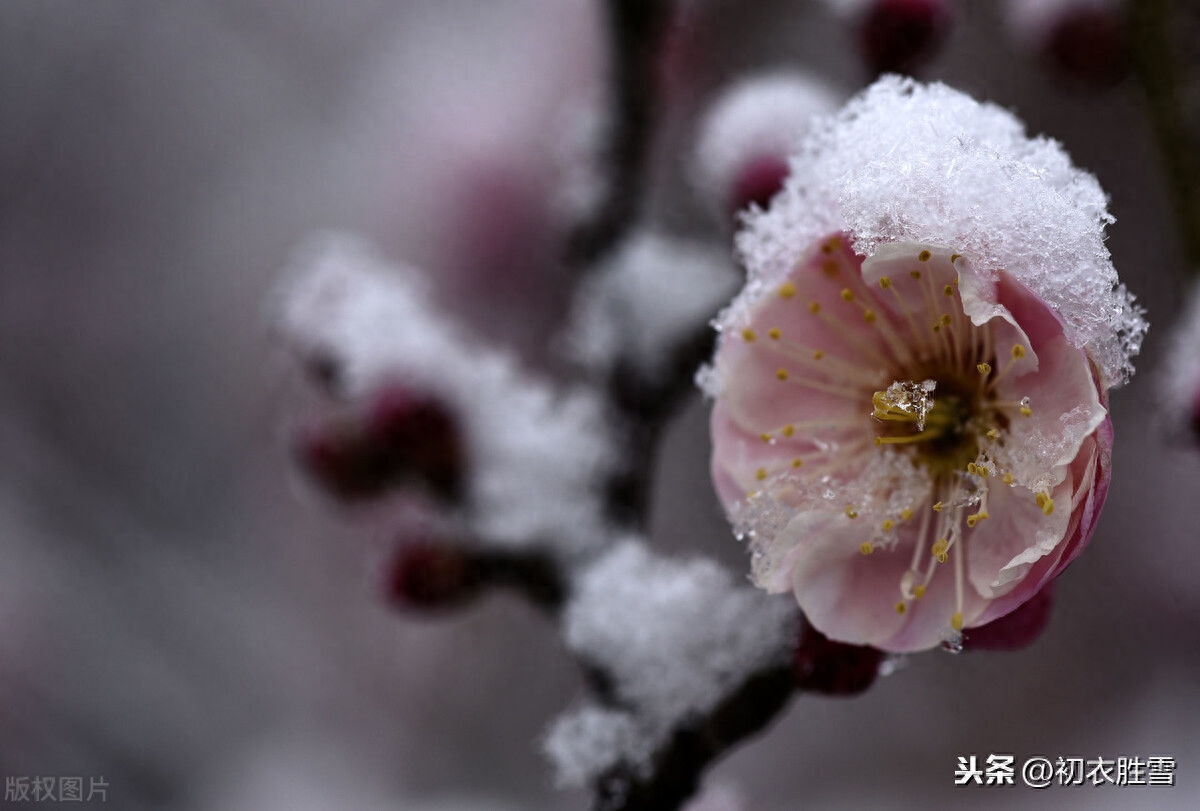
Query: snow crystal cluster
x=675 y=637
x=924 y=163
x=762 y=116
x=537 y=454
x=645 y=301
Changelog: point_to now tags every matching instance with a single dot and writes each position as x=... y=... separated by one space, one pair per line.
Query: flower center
x=940 y=426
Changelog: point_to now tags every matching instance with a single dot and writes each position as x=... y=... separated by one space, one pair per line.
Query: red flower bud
x=430 y=576
x=821 y=665
x=404 y=438
x=1016 y=630
x=759 y=180
x=901 y=36
x=1090 y=43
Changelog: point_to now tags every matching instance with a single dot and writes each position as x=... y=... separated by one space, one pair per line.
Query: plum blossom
x=911 y=424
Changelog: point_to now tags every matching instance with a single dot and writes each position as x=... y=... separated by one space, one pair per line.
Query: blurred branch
x=1155 y=27
x=679 y=766
x=635 y=31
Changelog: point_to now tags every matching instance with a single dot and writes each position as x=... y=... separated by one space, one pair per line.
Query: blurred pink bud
x=748 y=133
x=901 y=36
x=403 y=438
x=758 y=181
x=821 y=665
x=429 y=575
x=1084 y=39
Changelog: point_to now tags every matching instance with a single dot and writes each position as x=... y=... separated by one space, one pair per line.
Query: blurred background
x=180 y=616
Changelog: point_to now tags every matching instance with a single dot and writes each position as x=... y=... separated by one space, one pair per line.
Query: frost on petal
x=758 y=120
x=537 y=454
x=646 y=300
x=924 y=163
x=676 y=636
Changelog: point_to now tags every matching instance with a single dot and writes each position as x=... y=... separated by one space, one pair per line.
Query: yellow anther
x=946 y=320
x=948 y=290
x=797 y=462
x=905 y=514
x=774 y=333
x=885 y=282
x=847 y=295
x=956 y=621
x=992 y=433
x=1026 y=411
x=760 y=474
x=818 y=354
x=1008 y=477
x=937 y=327
x=782 y=374
x=887 y=525
x=1045 y=503
x=916 y=274
x=832 y=245
x=814 y=307
x=918 y=591
x=941 y=550
x=788 y=430
x=765 y=437
x=869 y=316
x=787 y=290
x=866 y=547
x=1018 y=352
x=901 y=607
x=954 y=257
x=975 y=518
x=985 y=369
x=748 y=335
x=937 y=508
x=924 y=256
x=972 y=468
x=851 y=512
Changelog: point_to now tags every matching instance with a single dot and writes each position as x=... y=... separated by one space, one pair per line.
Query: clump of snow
x=924 y=163
x=586 y=743
x=646 y=300
x=675 y=636
x=537 y=454
x=1179 y=378
x=762 y=116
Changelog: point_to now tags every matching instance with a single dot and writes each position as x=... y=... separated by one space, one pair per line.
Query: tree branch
x=635 y=30
x=1158 y=65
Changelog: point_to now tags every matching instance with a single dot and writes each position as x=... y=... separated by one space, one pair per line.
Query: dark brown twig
x=635 y=29
x=1155 y=26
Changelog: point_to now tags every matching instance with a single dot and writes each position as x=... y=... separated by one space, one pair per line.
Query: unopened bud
x=404 y=438
x=426 y=575
x=1083 y=39
x=1016 y=630
x=821 y=665
x=902 y=36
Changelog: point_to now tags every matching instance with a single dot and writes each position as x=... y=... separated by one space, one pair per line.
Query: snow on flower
x=911 y=422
